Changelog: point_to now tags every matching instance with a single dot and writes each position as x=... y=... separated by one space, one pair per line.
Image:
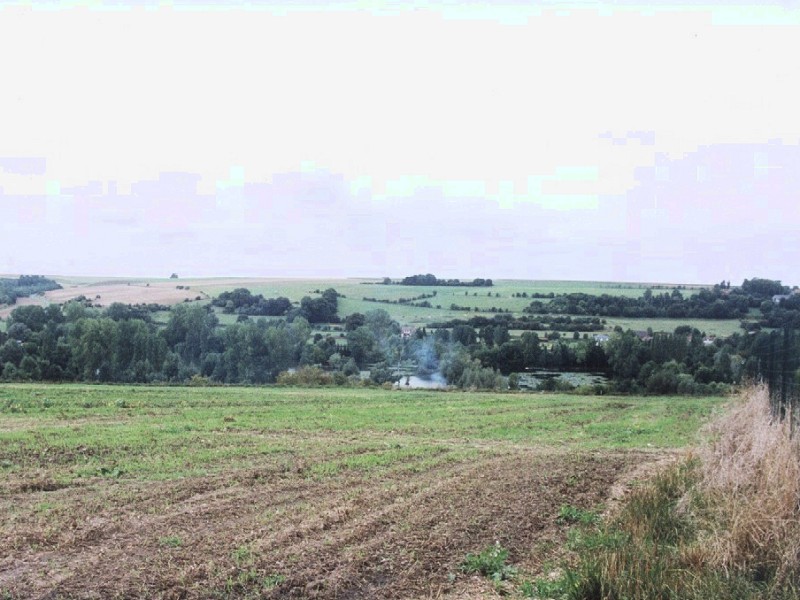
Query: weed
x=606 y=538
x=274 y=580
x=171 y=541
x=110 y=472
x=242 y=556
x=490 y=563
x=43 y=507
x=568 y=514
x=544 y=588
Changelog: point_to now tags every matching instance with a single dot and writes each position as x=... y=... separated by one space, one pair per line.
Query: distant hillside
x=24 y=286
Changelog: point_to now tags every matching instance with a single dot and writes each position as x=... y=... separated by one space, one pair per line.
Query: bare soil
x=281 y=533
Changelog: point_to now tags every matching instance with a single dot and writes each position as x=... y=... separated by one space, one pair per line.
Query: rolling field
x=146 y=492
x=713 y=327
x=166 y=291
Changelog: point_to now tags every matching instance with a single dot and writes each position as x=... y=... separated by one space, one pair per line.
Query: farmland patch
x=328 y=493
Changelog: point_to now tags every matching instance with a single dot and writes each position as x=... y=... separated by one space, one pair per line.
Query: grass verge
x=723 y=523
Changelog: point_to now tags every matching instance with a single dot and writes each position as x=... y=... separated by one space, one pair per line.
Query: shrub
x=200 y=381
x=305 y=376
x=555 y=384
x=382 y=373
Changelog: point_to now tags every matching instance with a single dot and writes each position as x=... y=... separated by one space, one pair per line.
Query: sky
x=587 y=140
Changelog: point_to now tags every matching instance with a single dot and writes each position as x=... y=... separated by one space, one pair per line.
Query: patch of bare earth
x=279 y=533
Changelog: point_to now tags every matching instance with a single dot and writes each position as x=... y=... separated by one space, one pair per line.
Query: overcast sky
x=534 y=140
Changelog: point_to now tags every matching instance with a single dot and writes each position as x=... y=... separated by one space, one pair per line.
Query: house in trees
x=407 y=332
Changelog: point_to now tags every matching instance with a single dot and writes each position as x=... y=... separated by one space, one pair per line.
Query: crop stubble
x=353 y=535
x=327 y=512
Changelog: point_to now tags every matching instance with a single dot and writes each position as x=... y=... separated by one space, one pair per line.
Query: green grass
x=116 y=432
x=715 y=327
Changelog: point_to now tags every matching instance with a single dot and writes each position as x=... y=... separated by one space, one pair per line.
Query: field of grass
x=712 y=327
x=502 y=297
x=269 y=492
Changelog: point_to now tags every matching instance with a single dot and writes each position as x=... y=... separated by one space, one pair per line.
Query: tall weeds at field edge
x=750 y=481
x=723 y=523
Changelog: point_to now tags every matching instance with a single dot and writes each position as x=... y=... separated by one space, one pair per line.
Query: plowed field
x=110 y=492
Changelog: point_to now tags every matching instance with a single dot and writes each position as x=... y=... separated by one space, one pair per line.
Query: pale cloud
x=527 y=139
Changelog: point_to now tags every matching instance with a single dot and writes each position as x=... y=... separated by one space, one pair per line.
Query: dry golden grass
x=751 y=479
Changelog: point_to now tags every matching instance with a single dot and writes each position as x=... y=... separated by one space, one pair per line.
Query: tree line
x=719 y=302
x=79 y=343
x=431 y=280
x=527 y=323
x=24 y=286
x=684 y=361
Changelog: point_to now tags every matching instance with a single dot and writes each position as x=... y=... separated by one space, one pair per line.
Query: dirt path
x=400 y=533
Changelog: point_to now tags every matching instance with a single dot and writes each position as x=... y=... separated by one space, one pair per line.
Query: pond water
x=531 y=379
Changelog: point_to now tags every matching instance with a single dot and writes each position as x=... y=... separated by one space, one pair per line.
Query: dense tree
x=381 y=323
x=354 y=321
x=94 y=344
x=431 y=280
x=32 y=316
x=242 y=302
x=11 y=352
x=464 y=335
x=363 y=346
x=624 y=353
x=763 y=288
x=190 y=332
x=320 y=310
